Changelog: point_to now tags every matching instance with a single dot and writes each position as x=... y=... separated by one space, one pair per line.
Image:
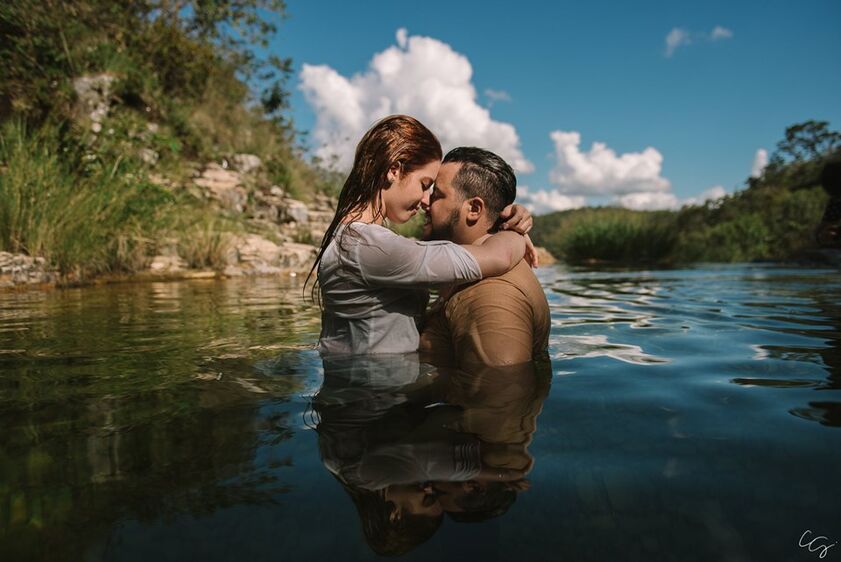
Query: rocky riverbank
x=279 y=236
x=231 y=215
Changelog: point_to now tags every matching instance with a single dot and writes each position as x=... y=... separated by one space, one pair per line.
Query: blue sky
x=599 y=69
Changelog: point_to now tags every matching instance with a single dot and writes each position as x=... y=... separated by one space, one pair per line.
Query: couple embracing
x=374 y=283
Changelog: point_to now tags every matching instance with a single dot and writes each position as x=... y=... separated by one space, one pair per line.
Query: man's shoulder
x=520 y=279
x=516 y=288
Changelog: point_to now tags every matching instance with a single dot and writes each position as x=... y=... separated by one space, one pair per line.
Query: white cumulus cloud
x=546 y=201
x=719 y=33
x=760 y=160
x=496 y=95
x=600 y=171
x=652 y=201
x=680 y=37
x=420 y=76
x=648 y=201
x=677 y=37
x=402 y=37
x=714 y=193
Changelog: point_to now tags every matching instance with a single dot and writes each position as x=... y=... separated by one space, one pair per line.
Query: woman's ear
x=393 y=174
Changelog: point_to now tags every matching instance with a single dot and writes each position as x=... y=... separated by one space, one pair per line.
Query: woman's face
x=403 y=197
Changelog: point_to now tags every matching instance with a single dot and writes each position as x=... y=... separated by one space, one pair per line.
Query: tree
x=810 y=140
x=46 y=43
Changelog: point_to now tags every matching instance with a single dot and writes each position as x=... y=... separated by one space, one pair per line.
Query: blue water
x=688 y=414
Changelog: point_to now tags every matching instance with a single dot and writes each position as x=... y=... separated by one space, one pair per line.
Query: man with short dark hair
x=497 y=321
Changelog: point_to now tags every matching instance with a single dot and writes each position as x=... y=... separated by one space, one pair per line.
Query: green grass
x=607 y=235
x=206 y=240
x=88 y=216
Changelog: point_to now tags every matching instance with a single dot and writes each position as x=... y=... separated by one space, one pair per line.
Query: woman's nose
x=425 y=198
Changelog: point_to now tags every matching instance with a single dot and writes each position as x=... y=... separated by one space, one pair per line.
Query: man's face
x=445 y=204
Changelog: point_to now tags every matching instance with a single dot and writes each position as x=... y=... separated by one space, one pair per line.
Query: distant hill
x=773 y=218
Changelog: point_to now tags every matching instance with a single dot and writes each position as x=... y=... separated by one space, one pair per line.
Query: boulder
x=294 y=210
x=94 y=93
x=254 y=255
x=268 y=204
x=149 y=156
x=254 y=249
x=167 y=263
x=325 y=203
x=20 y=269
x=297 y=256
x=223 y=185
x=247 y=163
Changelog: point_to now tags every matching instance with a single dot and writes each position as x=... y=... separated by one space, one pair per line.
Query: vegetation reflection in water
x=693 y=414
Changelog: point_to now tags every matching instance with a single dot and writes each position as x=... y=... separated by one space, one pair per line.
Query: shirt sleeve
x=386 y=259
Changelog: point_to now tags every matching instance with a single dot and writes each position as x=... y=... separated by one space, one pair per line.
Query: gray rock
x=149 y=156
x=20 y=269
x=297 y=256
x=223 y=185
x=94 y=92
x=325 y=203
x=247 y=163
x=233 y=271
x=167 y=263
x=254 y=255
x=296 y=211
x=254 y=249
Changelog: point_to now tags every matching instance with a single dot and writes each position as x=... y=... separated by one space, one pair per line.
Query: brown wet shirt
x=497 y=321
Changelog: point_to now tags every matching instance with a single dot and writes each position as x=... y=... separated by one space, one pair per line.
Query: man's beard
x=444 y=231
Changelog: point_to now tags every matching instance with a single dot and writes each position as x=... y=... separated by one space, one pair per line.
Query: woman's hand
x=531 y=253
x=517 y=218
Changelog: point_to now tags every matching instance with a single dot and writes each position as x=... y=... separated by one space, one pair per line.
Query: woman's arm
x=498 y=253
x=389 y=260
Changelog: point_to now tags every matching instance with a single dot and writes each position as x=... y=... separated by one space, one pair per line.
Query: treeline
x=180 y=83
x=773 y=218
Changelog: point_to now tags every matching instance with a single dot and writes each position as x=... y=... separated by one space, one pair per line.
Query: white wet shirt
x=374 y=287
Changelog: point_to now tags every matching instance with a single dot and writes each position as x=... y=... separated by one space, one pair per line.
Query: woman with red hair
x=374 y=283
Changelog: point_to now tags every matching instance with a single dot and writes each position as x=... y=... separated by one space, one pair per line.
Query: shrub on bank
x=607 y=234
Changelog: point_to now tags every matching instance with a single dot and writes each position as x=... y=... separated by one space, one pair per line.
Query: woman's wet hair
x=397 y=140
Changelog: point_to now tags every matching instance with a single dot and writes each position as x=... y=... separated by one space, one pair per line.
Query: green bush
x=608 y=235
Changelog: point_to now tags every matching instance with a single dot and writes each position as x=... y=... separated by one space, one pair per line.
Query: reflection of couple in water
x=409 y=441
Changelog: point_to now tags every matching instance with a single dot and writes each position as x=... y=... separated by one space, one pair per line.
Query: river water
x=689 y=414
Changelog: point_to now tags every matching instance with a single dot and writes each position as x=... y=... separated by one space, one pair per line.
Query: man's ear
x=394 y=172
x=475 y=209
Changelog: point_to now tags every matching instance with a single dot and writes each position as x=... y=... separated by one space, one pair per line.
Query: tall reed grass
x=84 y=214
x=609 y=235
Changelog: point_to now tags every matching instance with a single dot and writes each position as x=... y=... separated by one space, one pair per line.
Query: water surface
x=688 y=414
